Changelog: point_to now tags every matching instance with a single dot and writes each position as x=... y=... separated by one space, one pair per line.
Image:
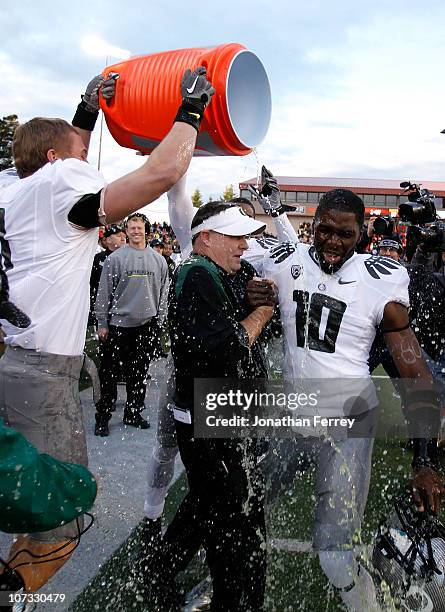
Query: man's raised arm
x=168 y=162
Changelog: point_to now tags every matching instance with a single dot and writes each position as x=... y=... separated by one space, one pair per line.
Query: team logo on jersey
x=376 y=265
x=282 y=252
x=345 y=282
x=296 y=271
x=267 y=242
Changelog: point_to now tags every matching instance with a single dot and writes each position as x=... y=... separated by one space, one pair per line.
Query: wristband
x=276 y=212
x=189 y=113
x=85 y=119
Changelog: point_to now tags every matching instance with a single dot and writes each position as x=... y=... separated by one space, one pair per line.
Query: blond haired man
x=48 y=226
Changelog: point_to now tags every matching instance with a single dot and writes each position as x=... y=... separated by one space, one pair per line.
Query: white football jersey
x=48 y=260
x=257 y=249
x=329 y=320
x=8 y=177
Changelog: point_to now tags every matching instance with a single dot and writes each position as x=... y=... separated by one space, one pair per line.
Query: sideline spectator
x=65 y=200
x=113 y=238
x=390 y=247
x=157 y=245
x=167 y=254
x=132 y=295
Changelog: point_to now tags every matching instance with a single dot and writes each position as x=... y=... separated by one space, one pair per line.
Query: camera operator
x=427 y=296
x=379 y=354
x=426 y=239
x=378 y=228
x=364 y=243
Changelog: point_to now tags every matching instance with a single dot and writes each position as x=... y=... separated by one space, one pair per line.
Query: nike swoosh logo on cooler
x=342 y=282
x=190 y=89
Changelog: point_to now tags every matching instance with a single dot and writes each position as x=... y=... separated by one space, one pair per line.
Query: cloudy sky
x=358 y=88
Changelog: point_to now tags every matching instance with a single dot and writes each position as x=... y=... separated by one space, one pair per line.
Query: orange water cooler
x=148 y=96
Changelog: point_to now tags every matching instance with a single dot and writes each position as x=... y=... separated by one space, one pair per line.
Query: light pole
x=97 y=47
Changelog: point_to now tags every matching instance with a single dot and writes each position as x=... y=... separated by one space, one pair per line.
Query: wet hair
x=33 y=139
x=245 y=202
x=342 y=200
x=138 y=217
x=206 y=211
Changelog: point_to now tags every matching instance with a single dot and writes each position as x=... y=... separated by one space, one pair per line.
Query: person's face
x=389 y=252
x=167 y=250
x=226 y=251
x=335 y=235
x=115 y=241
x=136 y=233
x=158 y=249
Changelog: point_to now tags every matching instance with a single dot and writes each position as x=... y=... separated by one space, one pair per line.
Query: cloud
x=380 y=113
x=356 y=88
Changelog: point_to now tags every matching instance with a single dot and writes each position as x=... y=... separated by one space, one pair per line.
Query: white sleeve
x=181 y=212
x=395 y=289
x=285 y=231
x=71 y=180
x=163 y=301
x=7 y=177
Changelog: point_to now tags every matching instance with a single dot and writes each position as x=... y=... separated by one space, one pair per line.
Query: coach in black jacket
x=213 y=334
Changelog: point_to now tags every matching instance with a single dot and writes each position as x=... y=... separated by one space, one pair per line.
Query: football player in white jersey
x=48 y=230
x=331 y=300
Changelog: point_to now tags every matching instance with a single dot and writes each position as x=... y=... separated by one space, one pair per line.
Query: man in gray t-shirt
x=132 y=293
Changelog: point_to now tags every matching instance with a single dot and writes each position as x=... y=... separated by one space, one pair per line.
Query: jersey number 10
x=322 y=317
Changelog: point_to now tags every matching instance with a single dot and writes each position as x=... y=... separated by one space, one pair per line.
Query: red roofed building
x=380 y=196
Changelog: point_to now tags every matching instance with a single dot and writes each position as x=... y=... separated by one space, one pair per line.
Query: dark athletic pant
x=224 y=511
x=129 y=350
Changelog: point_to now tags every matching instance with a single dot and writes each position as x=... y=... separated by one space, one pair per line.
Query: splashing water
x=258 y=167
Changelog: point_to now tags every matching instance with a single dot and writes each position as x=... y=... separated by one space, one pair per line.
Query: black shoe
x=101 y=429
x=135 y=420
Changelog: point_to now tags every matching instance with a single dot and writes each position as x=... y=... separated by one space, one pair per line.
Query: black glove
x=8 y=310
x=269 y=195
x=196 y=92
x=91 y=96
x=88 y=110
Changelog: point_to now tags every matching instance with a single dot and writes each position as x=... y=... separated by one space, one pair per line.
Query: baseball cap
x=156 y=242
x=232 y=221
x=112 y=229
x=390 y=243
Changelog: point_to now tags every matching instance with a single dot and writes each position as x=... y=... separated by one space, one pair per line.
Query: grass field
x=294 y=581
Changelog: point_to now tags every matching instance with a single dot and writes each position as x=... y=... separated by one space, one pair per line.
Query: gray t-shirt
x=133 y=288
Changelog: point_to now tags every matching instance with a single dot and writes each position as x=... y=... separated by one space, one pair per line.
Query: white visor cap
x=232 y=222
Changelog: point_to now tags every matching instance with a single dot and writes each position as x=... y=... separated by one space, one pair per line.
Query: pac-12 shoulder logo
x=296 y=271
